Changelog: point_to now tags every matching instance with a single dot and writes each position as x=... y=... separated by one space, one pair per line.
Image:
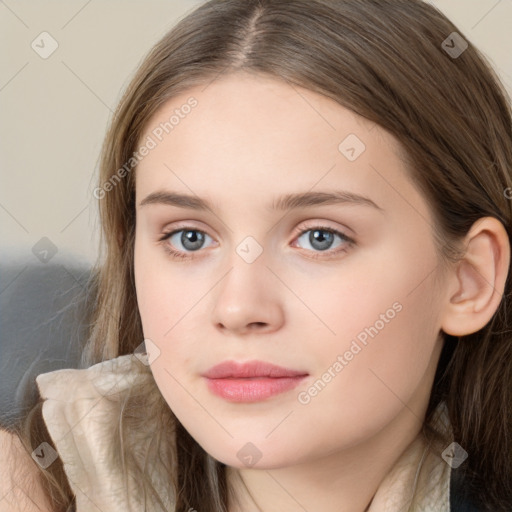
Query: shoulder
x=20 y=485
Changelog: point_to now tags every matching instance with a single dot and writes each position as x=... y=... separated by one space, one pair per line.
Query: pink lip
x=232 y=369
x=252 y=381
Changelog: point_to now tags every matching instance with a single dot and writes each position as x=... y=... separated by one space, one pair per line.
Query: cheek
x=383 y=354
x=166 y=298
x=158 y=297
x=161 y=306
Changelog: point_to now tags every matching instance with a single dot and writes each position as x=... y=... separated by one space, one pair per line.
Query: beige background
x=54 y=111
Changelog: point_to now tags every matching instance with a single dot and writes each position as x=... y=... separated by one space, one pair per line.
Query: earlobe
x=478 y=278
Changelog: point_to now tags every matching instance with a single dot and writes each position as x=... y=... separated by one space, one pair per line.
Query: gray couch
x=44 y=311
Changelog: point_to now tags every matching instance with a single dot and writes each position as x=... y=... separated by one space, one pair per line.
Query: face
x=341 y=292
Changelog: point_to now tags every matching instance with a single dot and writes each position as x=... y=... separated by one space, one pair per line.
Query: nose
x=249 y=300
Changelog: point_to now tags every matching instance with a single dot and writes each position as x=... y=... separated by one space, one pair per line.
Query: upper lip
x=232 y=369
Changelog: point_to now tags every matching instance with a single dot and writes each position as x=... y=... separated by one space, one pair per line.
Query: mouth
x=253 y=389
x=252 y=381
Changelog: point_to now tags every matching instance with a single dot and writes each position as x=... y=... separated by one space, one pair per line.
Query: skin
x=249 y=140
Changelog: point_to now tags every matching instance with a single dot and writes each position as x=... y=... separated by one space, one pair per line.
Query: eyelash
x=319 y=254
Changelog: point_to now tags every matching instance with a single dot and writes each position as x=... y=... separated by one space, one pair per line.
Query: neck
x=345 y=480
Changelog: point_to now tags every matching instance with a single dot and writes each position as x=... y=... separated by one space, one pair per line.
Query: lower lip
x=252 y=390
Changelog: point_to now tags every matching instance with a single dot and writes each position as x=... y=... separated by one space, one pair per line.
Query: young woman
x=306 y=214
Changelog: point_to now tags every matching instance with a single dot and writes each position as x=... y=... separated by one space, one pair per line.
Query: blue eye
x=191 y=239
x=321 y=239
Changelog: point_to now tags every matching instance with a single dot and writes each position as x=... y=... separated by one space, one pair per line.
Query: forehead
x=252 y=134
x=240 y=108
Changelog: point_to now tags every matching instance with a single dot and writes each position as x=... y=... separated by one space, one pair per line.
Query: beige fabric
x=82 y=410
x=419 y=473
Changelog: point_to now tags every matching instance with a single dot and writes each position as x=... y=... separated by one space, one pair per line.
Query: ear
x=478 y=279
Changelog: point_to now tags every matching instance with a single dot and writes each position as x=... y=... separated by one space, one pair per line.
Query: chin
x=247 y=455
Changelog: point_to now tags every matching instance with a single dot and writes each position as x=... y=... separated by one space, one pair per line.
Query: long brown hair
x=384 y=60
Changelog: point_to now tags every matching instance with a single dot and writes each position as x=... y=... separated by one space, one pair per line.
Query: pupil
x=192 y=237
x=317 y=237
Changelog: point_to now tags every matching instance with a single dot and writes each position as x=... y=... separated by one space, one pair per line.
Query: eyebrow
x=284 y=202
